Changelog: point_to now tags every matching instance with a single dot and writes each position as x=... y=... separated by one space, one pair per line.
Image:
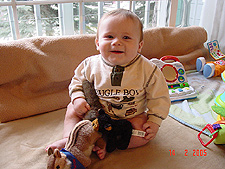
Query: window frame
x=65 y=13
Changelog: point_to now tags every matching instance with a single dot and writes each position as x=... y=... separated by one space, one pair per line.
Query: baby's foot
x=100 y=152
x=58 y=144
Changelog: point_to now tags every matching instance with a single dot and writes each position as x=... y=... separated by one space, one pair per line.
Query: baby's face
x=119 y=40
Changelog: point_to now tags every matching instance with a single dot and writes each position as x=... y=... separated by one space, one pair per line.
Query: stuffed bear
x=117 y=133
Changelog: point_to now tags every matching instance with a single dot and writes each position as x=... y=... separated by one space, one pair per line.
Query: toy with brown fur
x=80 y=143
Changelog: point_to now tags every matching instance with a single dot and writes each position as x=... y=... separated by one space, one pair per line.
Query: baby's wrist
x=154 y=119
x=77 y=99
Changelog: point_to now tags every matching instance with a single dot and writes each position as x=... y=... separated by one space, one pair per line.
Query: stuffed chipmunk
x=92 y=99
x=78 y=148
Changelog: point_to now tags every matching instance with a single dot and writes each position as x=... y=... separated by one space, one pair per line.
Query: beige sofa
x=34 y=78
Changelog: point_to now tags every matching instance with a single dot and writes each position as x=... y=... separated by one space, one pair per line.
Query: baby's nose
x=116 y=41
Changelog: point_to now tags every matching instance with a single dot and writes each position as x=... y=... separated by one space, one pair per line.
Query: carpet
x=196 y=113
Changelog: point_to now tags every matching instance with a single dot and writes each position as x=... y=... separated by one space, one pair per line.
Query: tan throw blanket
x=35 y=72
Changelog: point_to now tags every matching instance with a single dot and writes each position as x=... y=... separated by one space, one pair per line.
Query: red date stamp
x=194 y=152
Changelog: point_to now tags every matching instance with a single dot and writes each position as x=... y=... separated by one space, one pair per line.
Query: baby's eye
x=109 y=36
x=126 y=37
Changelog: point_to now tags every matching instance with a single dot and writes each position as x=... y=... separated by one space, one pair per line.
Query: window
x=28 y=18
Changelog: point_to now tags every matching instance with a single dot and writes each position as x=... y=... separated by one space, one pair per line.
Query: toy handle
x=170 y=58
x=210 y=128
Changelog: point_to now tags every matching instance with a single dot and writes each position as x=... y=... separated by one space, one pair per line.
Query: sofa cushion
x=35 y=73
x=187 y=43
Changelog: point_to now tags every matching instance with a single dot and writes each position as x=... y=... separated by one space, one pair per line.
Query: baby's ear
x=140 y=46
x=97 y=43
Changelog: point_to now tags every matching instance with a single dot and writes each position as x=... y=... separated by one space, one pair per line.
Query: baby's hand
x=80 y=107
x=151 y=130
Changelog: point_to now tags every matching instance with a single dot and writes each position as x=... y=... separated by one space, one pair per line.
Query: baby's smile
x=117 y=52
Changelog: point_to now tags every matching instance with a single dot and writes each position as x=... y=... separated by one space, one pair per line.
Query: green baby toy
x=217 y=129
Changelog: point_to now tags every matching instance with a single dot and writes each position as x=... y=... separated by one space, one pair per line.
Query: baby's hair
x=124 y=13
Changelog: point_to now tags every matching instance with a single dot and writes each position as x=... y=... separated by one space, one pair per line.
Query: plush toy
x=92 y=99
x=117 y=133
x=78 y=148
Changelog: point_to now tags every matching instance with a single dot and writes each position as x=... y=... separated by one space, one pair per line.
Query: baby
x=128 y=84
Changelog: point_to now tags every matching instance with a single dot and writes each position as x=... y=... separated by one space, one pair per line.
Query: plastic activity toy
x=214 y=50
x=210 y=69
x=176 y=78
x=213 y=68
x=217 y=129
